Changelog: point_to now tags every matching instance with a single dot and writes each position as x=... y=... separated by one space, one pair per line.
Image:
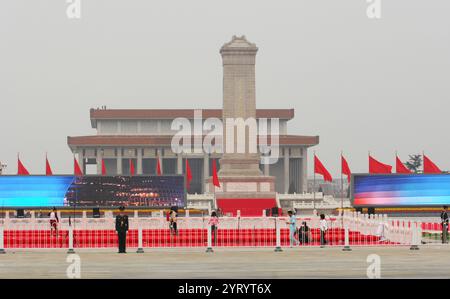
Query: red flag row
x=378 y=167
x=375 y=167
x=21 y=169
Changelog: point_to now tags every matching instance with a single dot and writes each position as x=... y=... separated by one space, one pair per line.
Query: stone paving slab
x=396 y=262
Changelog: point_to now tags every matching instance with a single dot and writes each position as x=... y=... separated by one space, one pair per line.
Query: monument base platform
x=250 y=194
x=247 y=207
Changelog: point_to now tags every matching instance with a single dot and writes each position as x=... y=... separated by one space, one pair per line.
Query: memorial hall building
x=144 y=135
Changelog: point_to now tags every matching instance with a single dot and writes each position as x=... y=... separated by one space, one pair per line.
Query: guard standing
x=444 y=223
x=122 y=228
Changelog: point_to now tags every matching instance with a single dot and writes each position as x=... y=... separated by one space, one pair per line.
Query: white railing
x=393 y=230
x=300 y=196
x=320 y=205
x=206 y=201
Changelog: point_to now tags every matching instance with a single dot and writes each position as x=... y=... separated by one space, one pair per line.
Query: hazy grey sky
x=361 y=84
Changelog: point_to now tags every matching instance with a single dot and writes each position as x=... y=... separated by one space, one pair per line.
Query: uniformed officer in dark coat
x=444 y=223
x=122 y=228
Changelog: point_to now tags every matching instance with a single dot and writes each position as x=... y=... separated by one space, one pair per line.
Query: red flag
x=188 y=175
x=378 y=167
x=21 y=170
x=76 y=168
x=429 y=166
x=103 y=167
x=132 y=171
x=48 y=169
x=215 y=177
x=345 y=169
x=400 y=167
x=320 y=169
x=158 y=167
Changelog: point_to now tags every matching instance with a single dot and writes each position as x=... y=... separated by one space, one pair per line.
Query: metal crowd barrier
x=346 y=231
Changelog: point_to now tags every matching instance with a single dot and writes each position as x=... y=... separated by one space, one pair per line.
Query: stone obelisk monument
x=239 y=175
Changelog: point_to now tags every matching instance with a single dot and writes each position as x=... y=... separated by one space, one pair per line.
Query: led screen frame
x=54 y=179
x=403 y=199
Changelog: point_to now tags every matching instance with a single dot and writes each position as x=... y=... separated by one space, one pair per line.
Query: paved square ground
x=398 y=262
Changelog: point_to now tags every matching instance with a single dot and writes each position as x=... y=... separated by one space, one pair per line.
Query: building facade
x=145 y=135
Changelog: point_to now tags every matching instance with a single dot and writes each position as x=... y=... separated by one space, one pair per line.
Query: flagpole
x=314 y=183
x=423 y=161
x=18 y=160
x=76 y=196
x=342 y=187
x=396 y=157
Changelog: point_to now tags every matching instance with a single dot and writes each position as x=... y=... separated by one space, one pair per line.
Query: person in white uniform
x=323 y=230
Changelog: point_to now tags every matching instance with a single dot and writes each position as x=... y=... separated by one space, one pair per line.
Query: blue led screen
x=395 y=190
x=34 y=191
x=90 y=191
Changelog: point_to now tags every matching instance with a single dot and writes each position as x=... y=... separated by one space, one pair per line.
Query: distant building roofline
x=143 y=114
x=165 y=140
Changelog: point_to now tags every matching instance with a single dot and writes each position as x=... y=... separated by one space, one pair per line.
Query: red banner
x=378 y=167
x=400 y=167
x=429 y=166
x=320 y=169
x=345 y=168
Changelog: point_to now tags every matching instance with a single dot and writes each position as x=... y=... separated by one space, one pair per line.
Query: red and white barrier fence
x=351 y=229
x=434 y=233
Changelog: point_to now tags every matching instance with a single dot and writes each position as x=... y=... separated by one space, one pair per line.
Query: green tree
x=414 y=163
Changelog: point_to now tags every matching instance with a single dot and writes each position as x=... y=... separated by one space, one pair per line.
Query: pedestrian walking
x=323 y=230
x=292 y=222
x=214 y=222
x=173 y=223
x=54 y=220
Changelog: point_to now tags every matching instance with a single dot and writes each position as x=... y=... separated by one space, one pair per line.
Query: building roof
x=165 y=140
x=142 y=114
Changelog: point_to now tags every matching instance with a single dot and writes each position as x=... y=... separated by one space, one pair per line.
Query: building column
x=266 y=169
x=159 y=156
x=305 y=170
x=81 y=161
x=179 y=163
x=286 y=170
x=139 y=161
x=119 y=161
x=99 y=158
x=205 y=174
